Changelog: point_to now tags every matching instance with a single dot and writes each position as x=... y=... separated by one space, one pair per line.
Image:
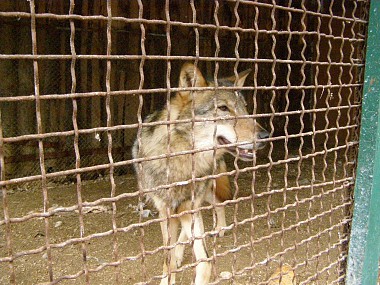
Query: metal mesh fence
x=78 y=79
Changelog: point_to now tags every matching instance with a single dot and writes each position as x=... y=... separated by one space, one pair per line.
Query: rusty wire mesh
x=78 y=78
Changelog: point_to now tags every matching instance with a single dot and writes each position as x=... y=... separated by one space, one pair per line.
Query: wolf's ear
x=241 y=77
x=190 y=76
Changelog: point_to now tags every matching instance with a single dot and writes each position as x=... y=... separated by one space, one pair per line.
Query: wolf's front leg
x=203 y=269
x=220 y=220
x=222 y=193
x=169 y=229
x=220 y=212
x=180 y=248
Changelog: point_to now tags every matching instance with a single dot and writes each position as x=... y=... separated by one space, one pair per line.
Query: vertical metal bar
x=168 y=106
x=139 y=131
x=216 y=55
x=336 y=161
x=344 y=195
x=234 y=266
x=328 y=138
x=317 y=72
x=41 y=151
x=254 y=101
x=364 y=247
x=115 y=252
x=76 y=142
x=272 y=105
x=301 y=145
x=347 y=164
x=193 y=175
x=286 y=132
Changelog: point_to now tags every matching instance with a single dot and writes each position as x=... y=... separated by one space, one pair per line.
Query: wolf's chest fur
x=179 y=169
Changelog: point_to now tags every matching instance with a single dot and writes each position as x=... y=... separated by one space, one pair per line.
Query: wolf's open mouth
x=241 y=152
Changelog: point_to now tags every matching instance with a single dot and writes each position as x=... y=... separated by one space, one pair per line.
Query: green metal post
x=364 y=246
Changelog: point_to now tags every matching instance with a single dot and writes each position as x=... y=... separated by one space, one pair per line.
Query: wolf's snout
x=263 y=134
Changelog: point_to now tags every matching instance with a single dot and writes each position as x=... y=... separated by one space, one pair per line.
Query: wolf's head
x=221 y=115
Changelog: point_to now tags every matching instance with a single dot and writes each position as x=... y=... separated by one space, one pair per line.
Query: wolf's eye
x=223 y=108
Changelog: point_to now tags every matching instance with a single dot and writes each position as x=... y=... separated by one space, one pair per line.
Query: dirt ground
x=302 y=227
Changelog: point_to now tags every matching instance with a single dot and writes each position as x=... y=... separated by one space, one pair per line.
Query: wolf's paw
x=203 y=273
x=179 y=250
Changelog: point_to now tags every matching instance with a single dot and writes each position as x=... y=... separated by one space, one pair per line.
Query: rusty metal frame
x=318 y=188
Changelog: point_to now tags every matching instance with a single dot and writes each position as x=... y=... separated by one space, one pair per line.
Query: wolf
x=184 y=143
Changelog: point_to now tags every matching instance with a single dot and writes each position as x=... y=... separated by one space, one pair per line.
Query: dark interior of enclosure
x=279 y=45
x=72 y=100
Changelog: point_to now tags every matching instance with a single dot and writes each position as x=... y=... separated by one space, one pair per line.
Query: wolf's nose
x=263 y=135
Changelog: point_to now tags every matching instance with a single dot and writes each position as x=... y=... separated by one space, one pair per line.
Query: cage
x=80 y=77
